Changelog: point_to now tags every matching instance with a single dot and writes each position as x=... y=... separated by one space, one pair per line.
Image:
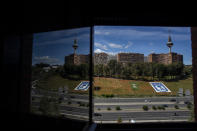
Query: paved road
x=96 y=107
x=152 y=99
x=125 y=104
x=154 y=115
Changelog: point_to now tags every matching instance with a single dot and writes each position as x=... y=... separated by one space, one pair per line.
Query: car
x=187 y=102
x=173 y=100
x=97 y=114
x=72 y=96
x=165 y=105
x=132 y=121
x=175 y=114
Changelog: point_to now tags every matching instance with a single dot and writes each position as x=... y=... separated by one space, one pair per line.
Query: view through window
x=142 y=74
x=60 y=73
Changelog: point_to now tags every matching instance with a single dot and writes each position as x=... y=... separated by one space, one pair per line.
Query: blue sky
x=141 y=39
x=51 y=47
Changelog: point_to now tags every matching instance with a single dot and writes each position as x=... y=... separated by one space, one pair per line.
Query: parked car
x=97 y=114
x=173 y=100
x=165 y=105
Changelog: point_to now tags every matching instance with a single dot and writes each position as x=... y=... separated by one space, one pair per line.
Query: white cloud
x=128 y=45
x=46 y=59
x=101 y=32
x=152 y=51
x=99 y=45
x=113 y=45
x=161 y=33
x=102 y=51
x=98 y=51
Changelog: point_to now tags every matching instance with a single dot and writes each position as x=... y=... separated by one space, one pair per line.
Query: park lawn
x=54 y=82
x=122 y=88
x=185 y=84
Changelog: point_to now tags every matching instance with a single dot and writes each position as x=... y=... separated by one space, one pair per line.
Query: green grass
x=185 y=84
x=54 y=82
x=117 y=87
x=123 y=88
x=134 y=85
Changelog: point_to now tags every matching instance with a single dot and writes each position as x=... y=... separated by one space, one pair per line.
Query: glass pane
x=60 y=73
x=142 y=74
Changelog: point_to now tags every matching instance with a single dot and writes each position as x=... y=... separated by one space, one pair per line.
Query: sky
x=51 y=47
x=142 y=39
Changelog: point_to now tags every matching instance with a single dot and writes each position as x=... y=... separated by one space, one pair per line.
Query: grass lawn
x=54 y=82
x=120 y=87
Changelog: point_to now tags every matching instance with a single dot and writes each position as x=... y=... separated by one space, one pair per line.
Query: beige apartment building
x=130 y=58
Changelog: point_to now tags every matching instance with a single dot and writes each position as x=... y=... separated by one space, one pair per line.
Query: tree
x=187 y=70
x=118 y=108
x=176 y=106
x=83 y=70
x=153 y=70
x=154 y=107
x=145 y=107
x=119 y=120
x=49 y=106
x=41 y=65
x=160 y=71
x=126 y=72
x=112 y=64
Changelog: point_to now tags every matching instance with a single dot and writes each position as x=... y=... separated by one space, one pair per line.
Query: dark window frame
x=115 y=21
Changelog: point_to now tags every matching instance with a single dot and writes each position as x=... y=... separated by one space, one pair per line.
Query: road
x=152 y=99
x=149 y=115
x=131 y=108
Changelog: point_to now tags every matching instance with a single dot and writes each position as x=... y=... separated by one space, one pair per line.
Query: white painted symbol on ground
x=159 y=87
x=84 y=85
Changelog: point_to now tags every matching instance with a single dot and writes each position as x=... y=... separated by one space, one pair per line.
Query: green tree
x=145 y=107
x=49 y=106
x=119 y=120
x=112 y=64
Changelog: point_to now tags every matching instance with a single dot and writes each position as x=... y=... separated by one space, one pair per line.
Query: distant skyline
x=142 y=39
x=51 y=47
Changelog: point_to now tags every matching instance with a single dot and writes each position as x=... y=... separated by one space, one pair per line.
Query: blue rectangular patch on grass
x=159 y=87
x=84 y=85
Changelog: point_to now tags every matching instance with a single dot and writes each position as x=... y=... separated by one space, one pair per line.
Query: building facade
x=166 y=59
x=77 y=59
x=130 y=58
x=100 y=58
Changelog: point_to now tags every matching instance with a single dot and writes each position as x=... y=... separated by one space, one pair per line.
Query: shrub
x=163 y=107
x=107 y=95
x=176 y=107
x=145 y=108
x=189 y=105
x=118 y=108
x=154 y=107
x=87 y=105
x=98 y=109
x=159 y=107
x=119 y=120
x=108 y=108
x=81 y=104
x=69 y=103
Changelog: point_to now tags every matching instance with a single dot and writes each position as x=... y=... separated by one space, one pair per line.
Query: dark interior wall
x=16 y=43
x=194 y=64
